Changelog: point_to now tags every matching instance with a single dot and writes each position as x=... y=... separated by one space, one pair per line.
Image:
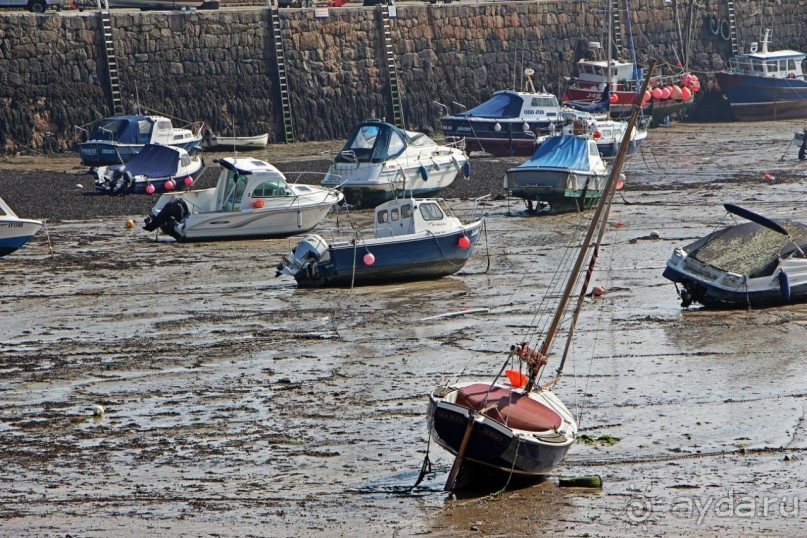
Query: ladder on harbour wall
x=116 y=101
x=735 y=49
x=392 y=70
x=616 y=29
x=280 y=57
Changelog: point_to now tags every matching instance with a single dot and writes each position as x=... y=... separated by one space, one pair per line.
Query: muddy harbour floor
x=239 y=405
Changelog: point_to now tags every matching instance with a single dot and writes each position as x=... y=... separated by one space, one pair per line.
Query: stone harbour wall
x=220 y=67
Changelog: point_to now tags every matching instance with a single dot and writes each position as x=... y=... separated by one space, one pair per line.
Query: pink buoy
x=685 y=94
x=597 y=291
x=647 y=97
x=665 y=93
x=464 y=242
x=150 y=189
x=619 y=184
x=188 y=181
x=686 y=79
x=675 y=93
x=169 y=185
x=369 y=259
x=657 y=94
x=614 y=99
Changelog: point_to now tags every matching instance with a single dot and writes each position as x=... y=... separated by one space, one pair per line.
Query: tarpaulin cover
x=502 y=105
x=123 y=129
x=748 y=248
x=154 y=160
x=566 y=152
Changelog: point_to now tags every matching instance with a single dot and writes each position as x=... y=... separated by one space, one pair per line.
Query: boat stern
x=304 y=260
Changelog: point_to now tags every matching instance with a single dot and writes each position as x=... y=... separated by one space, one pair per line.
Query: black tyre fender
x=37 y=6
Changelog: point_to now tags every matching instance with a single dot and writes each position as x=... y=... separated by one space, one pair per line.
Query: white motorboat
x=212 y=142
x=381 y=162
x=156 y=168
x=14 y=231
x=251 y=199
x=756 y=263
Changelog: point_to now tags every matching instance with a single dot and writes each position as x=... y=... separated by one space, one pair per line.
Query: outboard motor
x=169 y=218
x=303 y=259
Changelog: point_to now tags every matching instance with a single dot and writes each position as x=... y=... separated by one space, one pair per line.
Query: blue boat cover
x=123 y=129
x=505 y=104
x=567 y=152
x=154 y=160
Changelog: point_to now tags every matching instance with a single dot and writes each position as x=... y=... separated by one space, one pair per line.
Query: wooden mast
x=598 y=219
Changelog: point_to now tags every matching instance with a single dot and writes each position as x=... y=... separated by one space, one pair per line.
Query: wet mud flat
x=239 y=405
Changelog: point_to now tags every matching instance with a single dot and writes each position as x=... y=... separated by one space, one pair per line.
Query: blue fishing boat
x=117 y=139
x=509 y=122
x=765 y=85
x=412 y=239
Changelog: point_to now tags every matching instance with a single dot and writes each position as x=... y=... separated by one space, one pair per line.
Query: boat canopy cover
x=155 y=160
x=748 y=248
x=503 y=105
x=373 y=141
x=566 y=152
x=123 y=129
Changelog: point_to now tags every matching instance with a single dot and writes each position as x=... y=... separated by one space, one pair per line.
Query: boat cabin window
x=406 y=210
x=365 y=138
x=544 y=102
x=234 y=191
x=430 y=211
x=396 y=144
x=773 y=66
x=394 y=214
x=383 y=217
x=791 y=64
x=185 y=160
x=421 y=140
x=143 y=131
x=271 y=189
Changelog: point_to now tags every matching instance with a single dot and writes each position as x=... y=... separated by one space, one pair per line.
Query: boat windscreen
x=748 y=248
x=501 y=105
x=373 y=142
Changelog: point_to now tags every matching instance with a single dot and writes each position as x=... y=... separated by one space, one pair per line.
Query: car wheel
x=37 y=6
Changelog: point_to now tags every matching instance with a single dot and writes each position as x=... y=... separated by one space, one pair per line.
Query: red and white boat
x=668 y=94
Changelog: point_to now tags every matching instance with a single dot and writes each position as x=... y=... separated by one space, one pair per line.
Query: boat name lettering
x=451 y=417
x=463 y=129
x=538 y=111
x=14 y=224
x=496 y=436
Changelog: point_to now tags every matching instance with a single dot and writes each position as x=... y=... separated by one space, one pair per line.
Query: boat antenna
x=599 y=219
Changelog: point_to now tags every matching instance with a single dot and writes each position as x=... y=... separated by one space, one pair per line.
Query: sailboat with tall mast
x=519 y=426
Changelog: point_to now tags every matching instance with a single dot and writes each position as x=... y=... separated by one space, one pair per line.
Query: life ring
x=714 y=24
x=725 y=30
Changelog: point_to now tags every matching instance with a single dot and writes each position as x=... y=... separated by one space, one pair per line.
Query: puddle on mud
x=237 y=404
